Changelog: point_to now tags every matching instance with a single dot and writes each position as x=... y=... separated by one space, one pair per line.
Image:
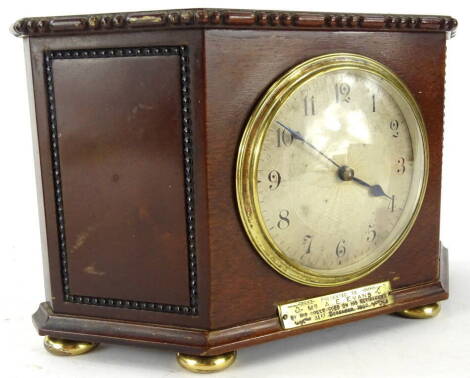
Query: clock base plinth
x=219 y=341
x=64 y=347
x=206 y=364
x=422 y=312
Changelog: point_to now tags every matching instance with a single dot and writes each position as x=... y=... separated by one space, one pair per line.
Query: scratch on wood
x=91 y=269
x=82 y=238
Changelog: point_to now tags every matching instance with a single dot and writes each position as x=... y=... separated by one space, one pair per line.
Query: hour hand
x=377 y=191
x=374 y=190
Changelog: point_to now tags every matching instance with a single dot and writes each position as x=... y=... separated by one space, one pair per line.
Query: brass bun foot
x=62 y=347
x=423 y=312
x=206 y=364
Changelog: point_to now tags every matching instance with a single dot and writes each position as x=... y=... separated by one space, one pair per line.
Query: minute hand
x=374 y=190
x=298 y=136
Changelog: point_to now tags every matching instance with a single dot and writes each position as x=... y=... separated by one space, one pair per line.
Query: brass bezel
x=248 y=157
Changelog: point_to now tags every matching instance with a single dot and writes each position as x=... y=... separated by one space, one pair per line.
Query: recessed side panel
x=117 y=143
x=121 y=150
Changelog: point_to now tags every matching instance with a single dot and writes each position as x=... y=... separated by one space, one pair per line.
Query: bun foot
x=206 y=364
x=62 y=347
x=423 y=312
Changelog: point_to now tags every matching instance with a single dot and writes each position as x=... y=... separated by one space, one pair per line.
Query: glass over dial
x=339 y=172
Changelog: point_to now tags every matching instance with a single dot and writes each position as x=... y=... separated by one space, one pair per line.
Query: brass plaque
x=315 y=310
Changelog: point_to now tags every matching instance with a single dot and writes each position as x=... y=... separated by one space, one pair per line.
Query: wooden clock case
x=137 y=121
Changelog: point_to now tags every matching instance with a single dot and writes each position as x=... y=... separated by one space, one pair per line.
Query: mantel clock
x=212 y=179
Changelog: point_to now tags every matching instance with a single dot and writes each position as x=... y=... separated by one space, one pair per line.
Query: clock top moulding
x=235 y=311
x=222 y=18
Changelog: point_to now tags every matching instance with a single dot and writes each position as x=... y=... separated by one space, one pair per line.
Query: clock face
x=332 y=169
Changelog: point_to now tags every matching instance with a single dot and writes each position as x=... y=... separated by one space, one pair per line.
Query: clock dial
x=338 y=173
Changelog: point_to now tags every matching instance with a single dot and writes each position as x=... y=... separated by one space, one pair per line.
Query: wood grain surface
x=173 y=266
x=243 y=286
x=204 y=342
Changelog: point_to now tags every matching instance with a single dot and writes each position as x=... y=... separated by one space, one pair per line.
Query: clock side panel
x=123 y=183
x=240 y=67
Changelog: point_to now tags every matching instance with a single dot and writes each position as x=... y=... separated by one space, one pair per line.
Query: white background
x=384 y=346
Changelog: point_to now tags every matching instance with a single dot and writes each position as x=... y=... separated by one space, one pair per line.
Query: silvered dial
x=340 y=171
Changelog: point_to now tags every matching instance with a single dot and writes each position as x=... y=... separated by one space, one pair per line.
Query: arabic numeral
x=400 y=166
x=284 y=138
x=309 y=106
x=274 y=177
x=341 y=248
x=371 y=234
x=394 y=124
x=284 y=221
x=308 y=243
x=391 y=204
x=342 y=92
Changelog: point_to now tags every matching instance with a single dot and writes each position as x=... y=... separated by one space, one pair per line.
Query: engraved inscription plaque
x=315 y=310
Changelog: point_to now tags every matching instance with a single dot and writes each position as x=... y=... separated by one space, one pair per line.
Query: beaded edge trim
x=182 y=51
x=206 y=18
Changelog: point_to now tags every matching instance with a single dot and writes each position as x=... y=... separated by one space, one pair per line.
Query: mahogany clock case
x=138 y=127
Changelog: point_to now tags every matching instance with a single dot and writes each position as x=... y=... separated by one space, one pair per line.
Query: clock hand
x=344 y=172
x=297 y=135
x=374 y=190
